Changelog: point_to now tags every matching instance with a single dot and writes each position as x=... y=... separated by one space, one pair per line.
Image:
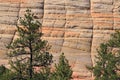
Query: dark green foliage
x=2 y=69
x=105 y=68
x=29 y=49
x=44 y=74
x=108 y=62
x=115 y=40
x=44 y=59
x=20 y=69
x=63 y=70
x=6 y=74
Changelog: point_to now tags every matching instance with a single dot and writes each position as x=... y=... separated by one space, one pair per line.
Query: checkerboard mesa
x=73 y=27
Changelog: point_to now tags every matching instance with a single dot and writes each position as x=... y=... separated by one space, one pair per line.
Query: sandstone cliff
x=75 y=27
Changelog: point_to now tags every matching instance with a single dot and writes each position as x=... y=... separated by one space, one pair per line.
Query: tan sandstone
x=75 y=27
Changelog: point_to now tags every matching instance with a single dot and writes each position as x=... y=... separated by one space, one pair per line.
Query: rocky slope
x=75 y=27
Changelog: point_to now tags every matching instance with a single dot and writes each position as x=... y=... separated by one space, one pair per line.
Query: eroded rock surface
x=75 y=27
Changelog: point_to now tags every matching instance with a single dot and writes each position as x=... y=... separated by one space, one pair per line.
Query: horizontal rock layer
x=75 y=27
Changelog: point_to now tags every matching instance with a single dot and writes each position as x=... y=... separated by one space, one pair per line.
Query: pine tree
x=29 y=50
x=63 y=70
x=107 y=62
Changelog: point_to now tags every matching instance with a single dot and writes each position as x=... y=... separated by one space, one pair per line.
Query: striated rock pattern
x=67 y=25
x=75 y=27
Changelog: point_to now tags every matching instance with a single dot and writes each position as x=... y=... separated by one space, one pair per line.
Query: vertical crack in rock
x=103 y=21
x=65 y=5
x=113 y=3
x=116 y=13
x=92 y=32
x=17 y=22
x=8 y=19
x=78 y=32
x=54 y=23
x=43 y=11
x=18 y=14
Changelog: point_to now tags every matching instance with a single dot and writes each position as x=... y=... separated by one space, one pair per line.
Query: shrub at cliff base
x=62 y=70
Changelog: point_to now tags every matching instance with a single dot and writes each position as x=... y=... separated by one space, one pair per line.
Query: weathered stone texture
x=105 y=15
x=75 y=27
x=67 y=25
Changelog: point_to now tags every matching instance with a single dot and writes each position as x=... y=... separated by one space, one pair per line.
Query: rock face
x=75 y=27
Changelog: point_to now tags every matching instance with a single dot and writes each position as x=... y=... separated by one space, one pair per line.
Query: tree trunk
x=31 y=71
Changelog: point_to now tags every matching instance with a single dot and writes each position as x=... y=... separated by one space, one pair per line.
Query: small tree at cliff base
x=63 y=70
x=107 y=64
x=29 y=50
